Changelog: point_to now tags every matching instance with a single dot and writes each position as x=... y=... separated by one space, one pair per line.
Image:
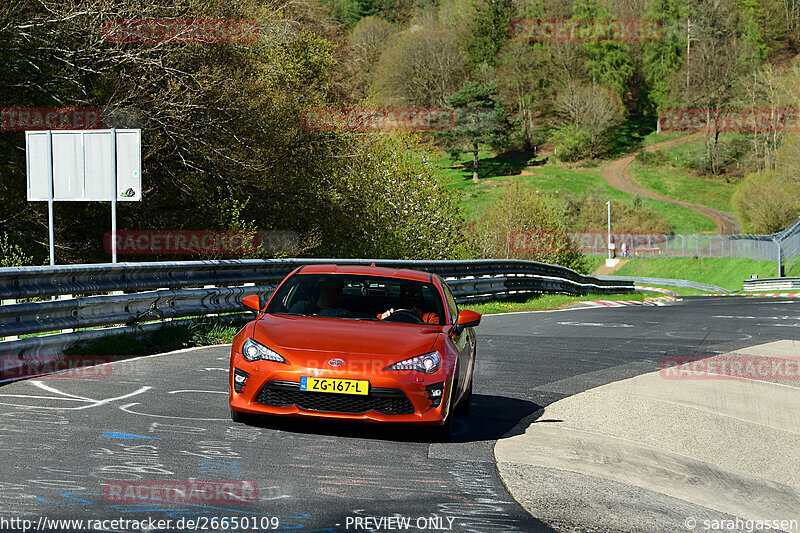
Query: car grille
x=381 y=400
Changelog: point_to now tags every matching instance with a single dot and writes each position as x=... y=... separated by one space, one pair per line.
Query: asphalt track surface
x=166 y=418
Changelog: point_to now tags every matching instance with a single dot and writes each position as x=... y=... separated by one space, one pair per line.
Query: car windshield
x=359 y=297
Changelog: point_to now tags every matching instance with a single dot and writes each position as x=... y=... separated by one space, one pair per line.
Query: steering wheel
x=404 y=312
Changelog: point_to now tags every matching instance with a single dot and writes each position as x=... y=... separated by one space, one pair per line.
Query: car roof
x=400 y=273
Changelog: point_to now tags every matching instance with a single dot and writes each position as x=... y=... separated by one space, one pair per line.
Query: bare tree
x=593 y=108
x=422 y=67
x=715 y=68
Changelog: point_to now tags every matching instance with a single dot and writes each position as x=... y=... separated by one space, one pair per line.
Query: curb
x=659 y=301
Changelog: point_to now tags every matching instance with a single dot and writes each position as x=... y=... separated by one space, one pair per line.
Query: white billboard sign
x=82 y=165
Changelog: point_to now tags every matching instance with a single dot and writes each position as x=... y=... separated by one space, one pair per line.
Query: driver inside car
x=411 y=299
x=328 y=303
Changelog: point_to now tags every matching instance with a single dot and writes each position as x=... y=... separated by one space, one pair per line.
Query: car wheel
x=444 y=432
x=466 y=401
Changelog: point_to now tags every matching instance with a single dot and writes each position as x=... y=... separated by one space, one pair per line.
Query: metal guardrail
x=771 y=284
x=158 y=292
x=667 y=281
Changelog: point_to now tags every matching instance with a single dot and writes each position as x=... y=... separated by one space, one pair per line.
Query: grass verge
x=167 y=339
x=681 y=185
x=544 y=302
x=727 y=273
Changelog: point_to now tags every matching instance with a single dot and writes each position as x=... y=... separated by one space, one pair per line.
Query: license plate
x=335 y=385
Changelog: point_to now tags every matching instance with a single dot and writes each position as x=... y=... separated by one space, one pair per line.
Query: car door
x=461 y=340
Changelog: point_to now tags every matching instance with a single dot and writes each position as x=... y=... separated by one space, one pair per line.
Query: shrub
x=12 y=255
x=539 y=218
x=571 y=142
x=386 y=203
x=651 y=159
x=767 y=202
x=589 y=212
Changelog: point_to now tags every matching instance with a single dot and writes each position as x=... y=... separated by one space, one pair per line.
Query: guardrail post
x=10 y=337
x=697 y=245
x=683 y=246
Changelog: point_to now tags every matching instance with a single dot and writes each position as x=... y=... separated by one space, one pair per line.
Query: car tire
x=466 y=401
x=444 y=432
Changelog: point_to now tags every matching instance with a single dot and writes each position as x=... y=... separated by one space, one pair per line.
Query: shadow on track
x=490 y=418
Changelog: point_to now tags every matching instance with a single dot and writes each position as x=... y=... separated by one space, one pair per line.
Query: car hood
x=345 y=336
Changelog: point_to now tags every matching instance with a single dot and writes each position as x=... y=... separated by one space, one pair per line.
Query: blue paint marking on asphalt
x=128 y=436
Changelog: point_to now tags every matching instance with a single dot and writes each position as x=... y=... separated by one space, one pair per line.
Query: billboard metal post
x=608 y=203
x=780 y=269
x=114 y=195
x=51 y=222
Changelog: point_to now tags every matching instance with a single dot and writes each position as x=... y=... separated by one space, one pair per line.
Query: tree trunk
x=475 y=162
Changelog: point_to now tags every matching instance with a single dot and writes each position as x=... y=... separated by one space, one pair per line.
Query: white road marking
x=190 y=390
x=64 y=396
x=785 y=317
x=595 y=324
x=127 y=409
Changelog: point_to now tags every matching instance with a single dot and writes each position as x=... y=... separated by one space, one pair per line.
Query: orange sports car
x=356 y=343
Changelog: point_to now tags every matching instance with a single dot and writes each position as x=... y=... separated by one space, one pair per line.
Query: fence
x=143 y=297
x=783 y=246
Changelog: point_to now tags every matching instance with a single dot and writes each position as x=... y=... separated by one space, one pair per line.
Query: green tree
x=607 y=61
x=479 y=119
x=754 y=51
x=663 y=58
x=489 y=31
x=524 y=80
x=214 y=116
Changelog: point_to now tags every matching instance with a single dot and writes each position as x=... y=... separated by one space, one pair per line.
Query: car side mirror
x=253 y=302
x=468 y=319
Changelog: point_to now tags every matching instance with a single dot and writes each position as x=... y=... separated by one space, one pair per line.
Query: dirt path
x=618 y=174
x=603 y=270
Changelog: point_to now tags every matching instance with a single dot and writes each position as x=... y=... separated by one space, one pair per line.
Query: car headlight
x=427 y=363
x=254 y=351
